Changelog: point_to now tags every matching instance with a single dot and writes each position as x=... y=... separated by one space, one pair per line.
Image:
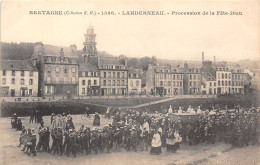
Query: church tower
x=90 y=42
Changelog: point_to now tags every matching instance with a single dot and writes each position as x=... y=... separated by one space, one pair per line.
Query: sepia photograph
x=129 y=82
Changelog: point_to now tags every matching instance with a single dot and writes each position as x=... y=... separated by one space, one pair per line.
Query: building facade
x=224 y=79
x=163 y=80
x=134 y=82
x=88 y=79
x=58 y=69
x=238 y=81
x=19 y=78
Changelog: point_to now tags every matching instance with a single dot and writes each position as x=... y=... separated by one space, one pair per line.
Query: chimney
x=61 y=53
x=202 y=56
x=73 y=47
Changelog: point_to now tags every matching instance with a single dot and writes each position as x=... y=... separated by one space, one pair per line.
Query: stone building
x=88 y=79
x=58 y=68
x=19 y=78
x=134 y=81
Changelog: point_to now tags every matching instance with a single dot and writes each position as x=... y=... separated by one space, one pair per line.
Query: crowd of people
x=134 y=130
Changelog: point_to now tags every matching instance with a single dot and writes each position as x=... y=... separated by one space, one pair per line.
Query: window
x=123 y=74
x=222 y=83
x=161 y=83
x=13 y=80
x=104 y=82
x=123 y=83
x=210 y=84
x=238 y=77
x=83 y=91
x=194 y=77
x=181 y=77
x=229 y=76
x=131 y=83
x=180 y=83
x=173 y=77
x=229 y=83
x=109 y=74
x=177 y=83
x=169 y=83
x=109 y=82
x=31 y=81
x=190 y=77
x=137 y=83
x=173 y=84
x=198 y=77
x=114 y=82
x=215 y=84
x=118 y=74
x=22 y=73
x=73 y=70
x=225 y=76
x=194 y=84
x=232 y=83
x=4 y=72
x=13 y=73
x=165 y=76
x=225 y=83
x=31 y=73
x=89 y=82
x=118 y=82
x=49 y=69
x=190 y=83
x=57 y=69
x=83 y=82
x=222 y=75
x=219 y=75
x=105 y=74
x=3 y=81
x=48 y=89
x=178 y=77
x=114 y=74
x=30 y=91
x=218 y=83
x=95 y=82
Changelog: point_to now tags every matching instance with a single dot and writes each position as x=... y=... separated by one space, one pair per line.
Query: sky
x=174 y=37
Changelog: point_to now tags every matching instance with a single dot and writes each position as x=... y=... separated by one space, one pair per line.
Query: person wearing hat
x=117 y=139
x=134 y=139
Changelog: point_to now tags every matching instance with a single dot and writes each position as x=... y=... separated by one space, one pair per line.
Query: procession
x=133 y=131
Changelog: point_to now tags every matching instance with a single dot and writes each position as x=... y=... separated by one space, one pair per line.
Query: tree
x=132 y=62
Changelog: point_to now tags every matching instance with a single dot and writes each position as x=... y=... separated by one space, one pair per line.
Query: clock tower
x=90 y=42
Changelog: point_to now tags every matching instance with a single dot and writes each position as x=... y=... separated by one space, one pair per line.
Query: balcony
x=60 y=81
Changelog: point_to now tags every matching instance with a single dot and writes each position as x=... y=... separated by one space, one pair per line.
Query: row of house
x=54 y=70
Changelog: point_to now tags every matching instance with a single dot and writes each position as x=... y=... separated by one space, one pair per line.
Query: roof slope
x=24 y=65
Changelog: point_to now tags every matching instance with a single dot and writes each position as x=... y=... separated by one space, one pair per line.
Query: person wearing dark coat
x=19 y=124
x=96 y=121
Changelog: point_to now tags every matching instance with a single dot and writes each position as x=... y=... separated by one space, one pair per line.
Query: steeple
x=90 y=42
